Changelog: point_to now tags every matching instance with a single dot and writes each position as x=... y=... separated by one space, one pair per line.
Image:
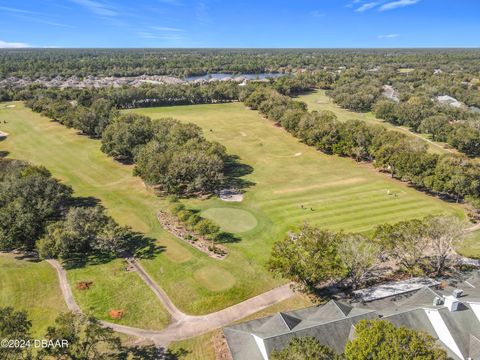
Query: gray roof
x=333 y=324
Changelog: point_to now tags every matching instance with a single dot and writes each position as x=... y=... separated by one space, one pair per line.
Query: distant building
x=450 y=314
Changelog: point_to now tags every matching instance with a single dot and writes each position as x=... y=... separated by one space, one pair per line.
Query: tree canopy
x=380 y=339
x=305 y=348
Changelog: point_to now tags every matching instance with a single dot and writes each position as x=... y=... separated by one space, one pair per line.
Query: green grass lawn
x=186 y=274
x=336 y=193
x=31 y=286
x=318 y=100
x=470 y=247
x=113 y=288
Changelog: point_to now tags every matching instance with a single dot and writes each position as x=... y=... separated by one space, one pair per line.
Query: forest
x=36 y=63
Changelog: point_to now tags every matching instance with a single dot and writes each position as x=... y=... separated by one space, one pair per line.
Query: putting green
x=214 y=278
x=231 y=220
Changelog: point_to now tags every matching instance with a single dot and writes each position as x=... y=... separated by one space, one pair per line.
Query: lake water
x=220 y=76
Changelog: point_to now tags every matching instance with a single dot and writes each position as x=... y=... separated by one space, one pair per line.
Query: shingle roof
x=333 y=323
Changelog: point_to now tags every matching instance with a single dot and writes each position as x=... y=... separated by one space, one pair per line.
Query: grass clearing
x=197 y=348
x=33 y=287
x=214 y=278
x=114 y=288
x=470 y=246
x=318 y=100
x=322 y=184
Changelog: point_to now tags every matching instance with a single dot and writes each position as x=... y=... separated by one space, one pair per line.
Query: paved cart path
x=183 y=326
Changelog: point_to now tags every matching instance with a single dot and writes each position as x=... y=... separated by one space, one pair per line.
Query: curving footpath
x=183 y=326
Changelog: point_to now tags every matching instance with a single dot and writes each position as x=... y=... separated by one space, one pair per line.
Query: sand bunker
x=3 y=134
x=243 y=134
x=230 y=195
x=298 y=154
x=10 y=106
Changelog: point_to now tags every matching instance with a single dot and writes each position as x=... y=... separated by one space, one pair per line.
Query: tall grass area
x=336 y=193
x=33 y=287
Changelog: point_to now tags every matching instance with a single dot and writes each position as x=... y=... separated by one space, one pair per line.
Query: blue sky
x=240 y=23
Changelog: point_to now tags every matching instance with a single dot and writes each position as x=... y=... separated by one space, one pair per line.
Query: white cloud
x=388 y=36
x=165 y=29
x=367 y=6
x=97 y=7
x=397 y=4
x=15 y=10
x=21 y=45
x=13 y=45
x=162 y=33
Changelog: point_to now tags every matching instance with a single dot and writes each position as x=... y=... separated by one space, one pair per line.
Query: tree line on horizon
x=49 y=63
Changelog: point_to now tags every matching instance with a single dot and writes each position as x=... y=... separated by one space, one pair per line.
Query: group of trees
x=172 y=156
x=194 y=222
x=373 y=340
x=459 y=128
x=38 y=213
x=91 y=120
x=355 y=90
x=91 y=110
x=72 y=337
x=36 y=63
x=413 y=102
x=403 y=157
x=315 y=257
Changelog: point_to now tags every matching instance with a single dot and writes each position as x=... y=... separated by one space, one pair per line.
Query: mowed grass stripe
x=336 y=193
x=349 y=213
x=330 y=202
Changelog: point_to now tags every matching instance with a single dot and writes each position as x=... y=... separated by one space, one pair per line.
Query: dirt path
x=473 y=228
x=183 y=326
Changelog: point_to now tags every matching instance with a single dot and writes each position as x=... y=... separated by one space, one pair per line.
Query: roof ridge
x=324 y=323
